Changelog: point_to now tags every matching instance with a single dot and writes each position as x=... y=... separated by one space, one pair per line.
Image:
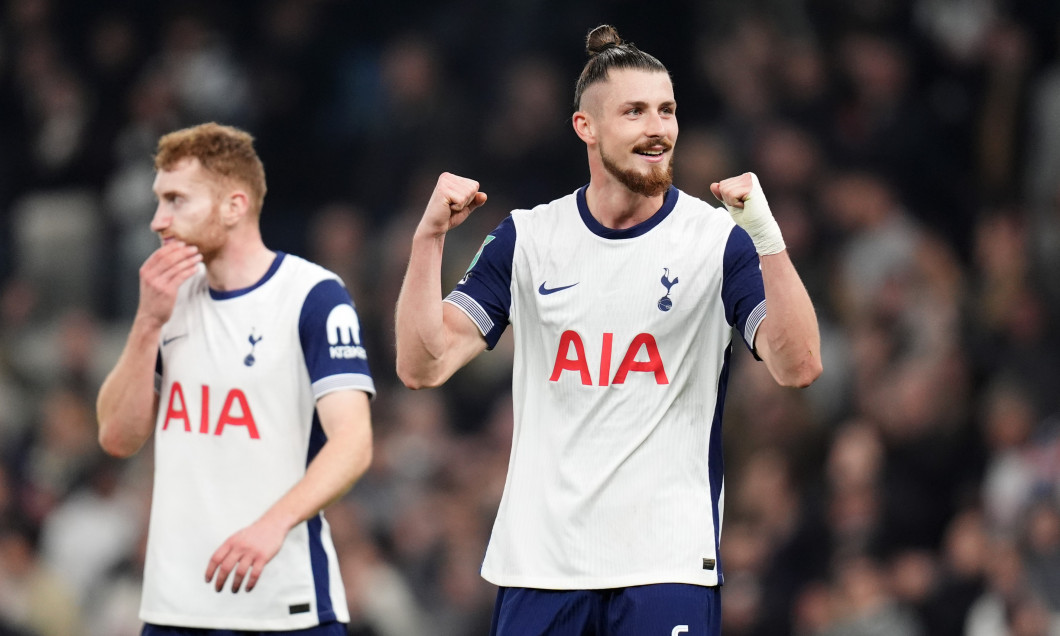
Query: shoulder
x=305 y=287
x=703 y=212
x=308 y=271
x=547 y=212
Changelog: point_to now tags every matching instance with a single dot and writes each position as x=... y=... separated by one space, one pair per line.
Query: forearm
x=788 y=338
x=433 y=341
x=126 y=405
x=419 y=330
x=339 y=464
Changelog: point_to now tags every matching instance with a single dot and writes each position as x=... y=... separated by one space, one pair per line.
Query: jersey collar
x=235 y=293
x=597 y=228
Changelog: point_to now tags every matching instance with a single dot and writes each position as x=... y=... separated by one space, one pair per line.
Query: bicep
x=345 y=414
x=743 y=290
x=464 y=340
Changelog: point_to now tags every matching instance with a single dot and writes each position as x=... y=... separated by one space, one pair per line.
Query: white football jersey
x=622 y=343
x=239 y=376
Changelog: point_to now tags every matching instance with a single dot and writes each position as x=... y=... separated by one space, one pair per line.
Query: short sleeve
x=330 y=332
x=742 y=290
x=485 y=291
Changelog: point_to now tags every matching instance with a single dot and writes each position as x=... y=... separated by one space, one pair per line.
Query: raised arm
x=346 y=419
x=788 y=339
x=435 y=339
x=127 y=402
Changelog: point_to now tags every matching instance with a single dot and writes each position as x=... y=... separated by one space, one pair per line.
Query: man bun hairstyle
x=607 y=51
x=225 y=151
x=602 y=37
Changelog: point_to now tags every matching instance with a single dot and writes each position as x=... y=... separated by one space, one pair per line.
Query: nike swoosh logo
x=545 y=291
x=166 y=341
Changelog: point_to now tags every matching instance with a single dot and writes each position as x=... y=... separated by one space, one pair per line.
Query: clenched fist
x=747 y=204
x=453 y=199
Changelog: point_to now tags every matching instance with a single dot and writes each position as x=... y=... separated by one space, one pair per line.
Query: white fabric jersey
x=240 y=373
x=622 y=342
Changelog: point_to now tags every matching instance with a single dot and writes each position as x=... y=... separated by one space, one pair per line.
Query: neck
x=240 y=263
x=616 y=207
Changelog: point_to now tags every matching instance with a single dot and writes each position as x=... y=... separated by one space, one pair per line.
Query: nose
x=161 y=219
x=655 y=125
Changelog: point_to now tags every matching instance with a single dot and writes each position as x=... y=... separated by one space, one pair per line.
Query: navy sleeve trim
x=753 y=321
x=341 y=381
x=742 y=290
x=473 y=310
x=485 y=291
x=330 y=333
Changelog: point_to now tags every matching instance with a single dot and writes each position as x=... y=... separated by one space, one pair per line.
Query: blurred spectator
x=104 y=515
x=960 y=577
x=34 y=599
x=528 y=126
x=1009 y=606
x=1042 y=551
x=380 y=600
x=1009 y=419
x=59 y=454
x=863 y=604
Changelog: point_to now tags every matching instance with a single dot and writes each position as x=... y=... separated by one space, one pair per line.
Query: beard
x=209 y=236
x=652 y=184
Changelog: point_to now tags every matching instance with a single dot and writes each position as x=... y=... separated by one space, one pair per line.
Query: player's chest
x=233 y=342
x=654 y=285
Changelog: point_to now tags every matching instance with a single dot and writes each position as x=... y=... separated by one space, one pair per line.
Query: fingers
x=239 y=562
x=453 y=199
x=244 y=556
x=161 y=276
x=715 y=189
x=459 y=193
x=217 y=562
x=255 y=572
x=170 y=265
x=476 y=201
x=734 y=191
x=239 y=574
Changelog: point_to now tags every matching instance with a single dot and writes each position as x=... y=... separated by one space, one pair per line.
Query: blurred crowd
x=910 y=150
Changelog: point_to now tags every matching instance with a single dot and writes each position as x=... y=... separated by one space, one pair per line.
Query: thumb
x=477 y=200
x=715 y=189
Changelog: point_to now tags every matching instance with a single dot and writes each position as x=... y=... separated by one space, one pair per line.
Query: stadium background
x=911 y=153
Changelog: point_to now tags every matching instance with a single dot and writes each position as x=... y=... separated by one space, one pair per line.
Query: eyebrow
x=643 y=104
x=167 y=193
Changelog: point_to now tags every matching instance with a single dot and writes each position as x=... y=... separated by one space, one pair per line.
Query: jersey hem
x=600 y=582
x=246 y=624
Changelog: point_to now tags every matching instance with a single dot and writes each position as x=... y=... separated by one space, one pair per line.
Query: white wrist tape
x=757 y=220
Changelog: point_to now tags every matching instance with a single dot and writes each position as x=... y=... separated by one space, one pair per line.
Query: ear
x=584 y=126
x=235 y=207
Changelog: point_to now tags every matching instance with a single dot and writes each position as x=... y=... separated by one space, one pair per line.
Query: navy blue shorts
x=334 y=628
x=666 y=609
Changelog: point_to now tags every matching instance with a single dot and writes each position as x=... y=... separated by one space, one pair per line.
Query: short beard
x=209 y=237
x=652 y=184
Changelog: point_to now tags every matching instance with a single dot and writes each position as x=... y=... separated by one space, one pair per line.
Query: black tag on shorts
x=301 y=608
x=708 y=564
